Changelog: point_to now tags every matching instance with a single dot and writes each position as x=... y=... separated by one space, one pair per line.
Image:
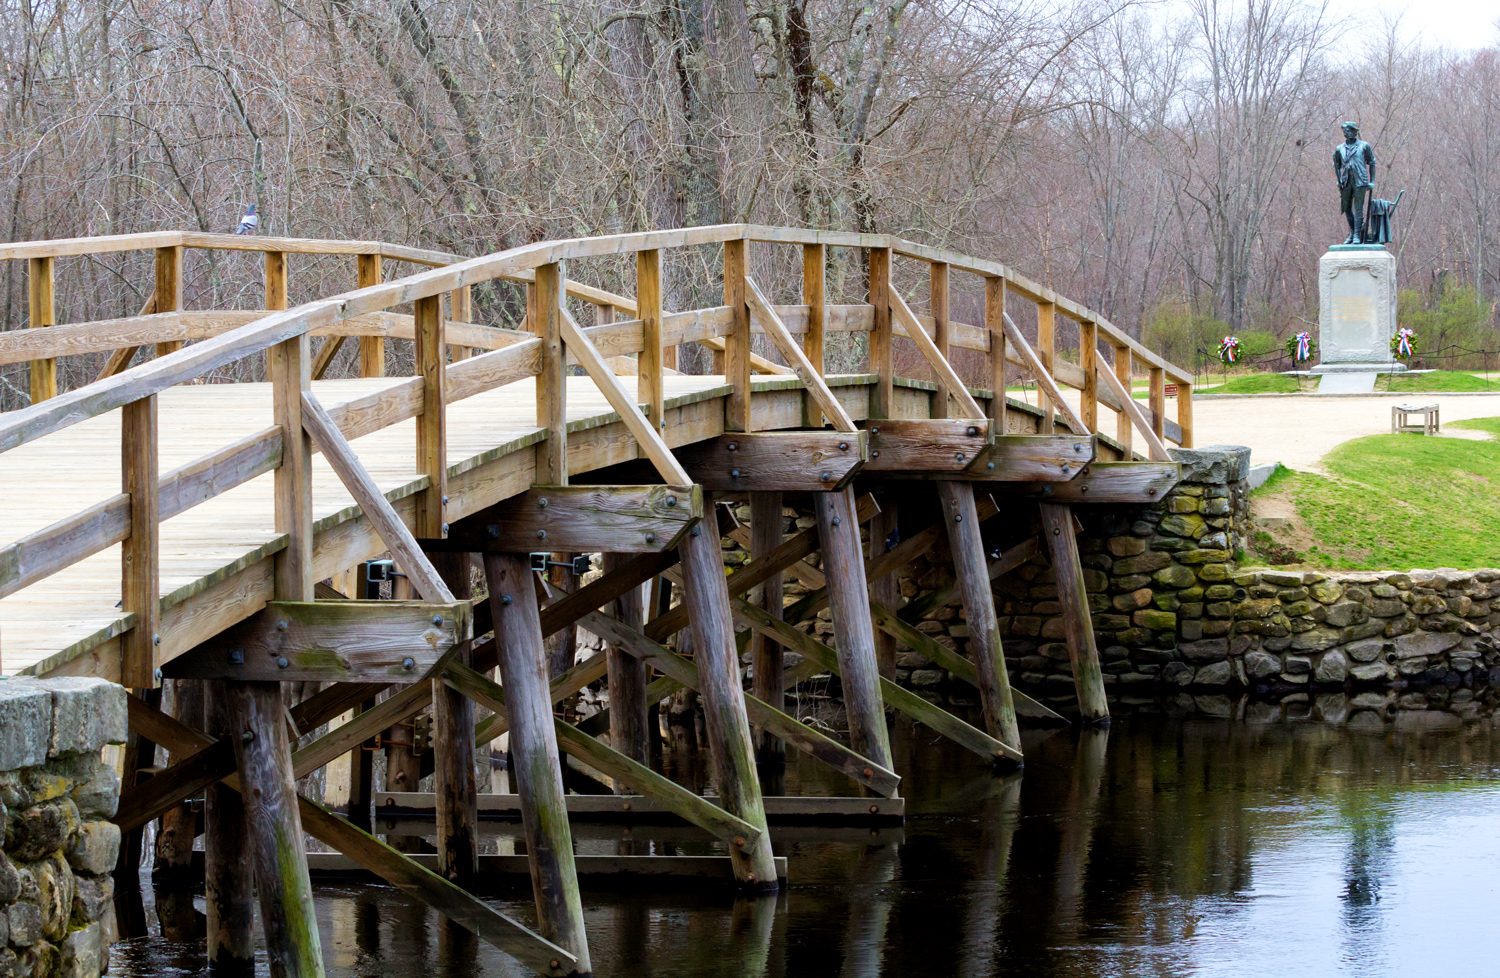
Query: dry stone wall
x=56 y=799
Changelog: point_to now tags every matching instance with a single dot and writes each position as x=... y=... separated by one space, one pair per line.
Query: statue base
x=1356 y=310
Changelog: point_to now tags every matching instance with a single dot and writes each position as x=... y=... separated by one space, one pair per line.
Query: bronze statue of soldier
x=1354 y=166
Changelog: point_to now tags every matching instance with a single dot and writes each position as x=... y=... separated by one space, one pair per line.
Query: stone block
x=1144 y=564
x=1054 y=628
x=1205 y=556
x=1158 y=621
x=1132 y=582
x=1333 y=667
x=1190 y=629
x=1218 y=592
x=1260 y=665
x=1184 y=504
x=1138 y=598
x=1094 y=580
x=926 y=677
x=1189 y=525
x=1215 y=465
x=55 y=896
x=10 y=881
x=1387 y=607
x=1384 y=591
x=1427 y=604
x=1425 y=644
x=1167 y=601
x=1190 y=609
x=1172 y=544
x=1316 y=639
x=25 y=923
x=1133 y=636
x=1175 y=576
x=1126 y=546
x=1366 y=651
x=95 y=848
x=1215 y=572
x=1297 y=665
x=1214 y=674
x=25 y=723
x=1208 y=650
x=1345 y=613
x=1111 y=623
x=1177 y=673
x=83 y=953
x=35 y=832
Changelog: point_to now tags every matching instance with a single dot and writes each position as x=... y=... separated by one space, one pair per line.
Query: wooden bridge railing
x=543 y=350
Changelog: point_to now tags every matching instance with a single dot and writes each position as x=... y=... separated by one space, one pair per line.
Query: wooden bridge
x=163 y=526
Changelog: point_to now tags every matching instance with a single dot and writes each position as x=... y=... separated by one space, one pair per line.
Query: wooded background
x=1167 y=165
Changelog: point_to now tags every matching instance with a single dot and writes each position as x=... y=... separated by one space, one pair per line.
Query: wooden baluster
x=938 y=301
x=139 y=555
x=288 y=366
x=1088 y=359
x=432 y=442
x=883 y=394
x=629 y=727
x=961 y=517
x=552 y=382
x=1124 y=430
x=994 y=324
x=849 y=600
x=461 y=310
x=263 y=753
x=1185 y=412
x=1159 y=401
x=534 y=763
x=169 y=290
x=39 y=286
x=815 y=297
x=737 y=372
x=228 y=875
x=706 y=597
x=454 y=781
x=766 y=663
x=1046 y=348
x=371 y=348
x=650 y=382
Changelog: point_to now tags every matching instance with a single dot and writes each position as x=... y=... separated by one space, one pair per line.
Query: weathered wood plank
x=41 y=315
x=994 y=327
x=926 y=445
x=332 y=641
x=648 y=305
x=169 y=290
x=947 y=376
x=790 y=461
x=814 y=295
x=228 y=874
x=1156 y=449
x=368 y=272
x=1045 y=384
x=779 y=808
x=1031 y=458
x=883 y=396
x=432 y=423
x=1112 y=482
x=454 y=777
x=766 y=664
x=140 y=557
x=629 y=710
x=586 y=519
x=737 y=353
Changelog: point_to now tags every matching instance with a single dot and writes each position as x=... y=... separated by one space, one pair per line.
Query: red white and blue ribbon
x=1404 y=337
x=1304 y=347
x=1229 y=349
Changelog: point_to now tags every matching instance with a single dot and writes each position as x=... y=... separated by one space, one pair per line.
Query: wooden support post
x=43 y=313
x=552 y=381
x=885 y=589
x=455 y=781
x=706 y=597
x=649 y=379
x=737 y=367
x=1124 y=430
x=371 y=348
x=1185 y=412
x=1046 y=349
x=561 y=645
x=432 y=441
x=766 y=665
x=362 y=780
x=179 y=824
x=228 y=881
x=1088 y=677
x=169 y=290
x=1088 y=360
x=139 y=556
x=288 y=367
x=994 y=324
x=140 y=754
x=815 y=297
x=961 y=517
x=938 y=304
x=1158 y=403
x=534 y=760
x=883 y=394
x=258 y=729
x=629 y=732
x=849 y=599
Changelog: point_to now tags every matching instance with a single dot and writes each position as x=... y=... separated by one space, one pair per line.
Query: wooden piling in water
x=629 y=730
x=454 y=778
x=730 y=747
x=961 y=517
x=179 y=824
x=885 y=589
x=258 y=730
x=534 y=765
x=228 y=875
x=848 y=598
x=1078 y=621
x=766 y=663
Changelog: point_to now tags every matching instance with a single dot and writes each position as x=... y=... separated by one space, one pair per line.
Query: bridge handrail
x=513 y=355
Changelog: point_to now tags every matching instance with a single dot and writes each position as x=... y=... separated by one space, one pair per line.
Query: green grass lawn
x=1439 y=381
x=1264 y=384
x=1397 y=501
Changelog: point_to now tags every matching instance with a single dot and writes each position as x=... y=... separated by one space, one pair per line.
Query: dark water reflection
x=1327 y=842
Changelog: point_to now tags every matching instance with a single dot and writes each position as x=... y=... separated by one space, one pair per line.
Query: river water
x=1195 y=837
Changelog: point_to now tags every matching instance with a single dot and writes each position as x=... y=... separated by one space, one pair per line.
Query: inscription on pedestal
x=1358 y=306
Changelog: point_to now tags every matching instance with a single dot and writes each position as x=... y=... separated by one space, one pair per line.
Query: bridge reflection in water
x=1198 y=836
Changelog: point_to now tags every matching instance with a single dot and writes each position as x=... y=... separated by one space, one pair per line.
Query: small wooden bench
x=1425 y=423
